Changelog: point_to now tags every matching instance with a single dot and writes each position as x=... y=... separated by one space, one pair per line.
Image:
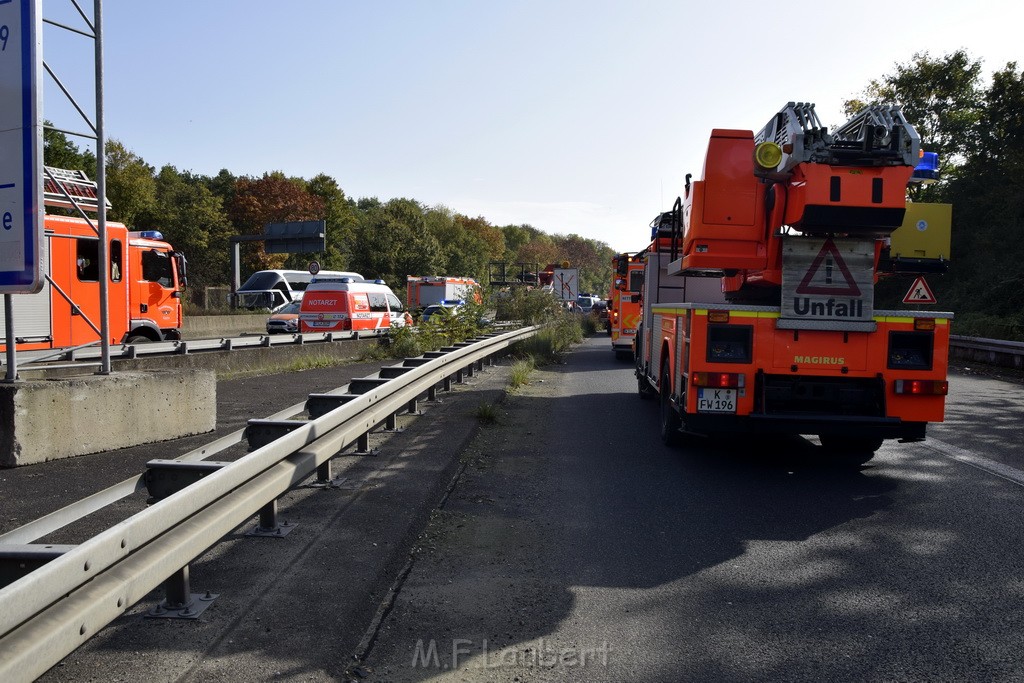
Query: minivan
x=344 y=304
x=271 y=288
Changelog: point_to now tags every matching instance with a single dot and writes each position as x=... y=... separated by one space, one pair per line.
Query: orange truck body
x=625 y=309
x=144 y=289
x=423 y=291
x=758 y=312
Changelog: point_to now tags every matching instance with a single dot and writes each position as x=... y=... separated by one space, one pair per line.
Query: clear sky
x=575 y=116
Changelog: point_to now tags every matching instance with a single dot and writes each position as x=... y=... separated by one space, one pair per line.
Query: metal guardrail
x=88 y=352
x=996 y=351
x=166 y=348
x=46 y=614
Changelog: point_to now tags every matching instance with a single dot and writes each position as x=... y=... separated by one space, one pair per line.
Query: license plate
x=716 y=400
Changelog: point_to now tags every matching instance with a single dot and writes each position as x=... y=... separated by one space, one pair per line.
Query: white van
x=345 y=304
x=271 y=288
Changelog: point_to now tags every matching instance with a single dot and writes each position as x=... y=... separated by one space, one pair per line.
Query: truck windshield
x=156 y=267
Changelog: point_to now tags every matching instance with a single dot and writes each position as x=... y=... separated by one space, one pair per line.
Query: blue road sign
x=21 y=139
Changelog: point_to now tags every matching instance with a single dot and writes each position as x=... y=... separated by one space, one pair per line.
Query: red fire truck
x=625 y=310
x=758 y=312
x=145 y=280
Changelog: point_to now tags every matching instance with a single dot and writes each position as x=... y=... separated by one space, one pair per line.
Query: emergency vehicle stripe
x=733 y=313
x=908 y=320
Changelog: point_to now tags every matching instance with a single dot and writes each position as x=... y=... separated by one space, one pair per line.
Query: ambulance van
x=346 y=304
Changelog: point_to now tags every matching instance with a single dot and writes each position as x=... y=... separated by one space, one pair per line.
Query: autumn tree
x=270 y=199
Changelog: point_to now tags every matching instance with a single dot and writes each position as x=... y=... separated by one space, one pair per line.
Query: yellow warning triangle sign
x=919 y=293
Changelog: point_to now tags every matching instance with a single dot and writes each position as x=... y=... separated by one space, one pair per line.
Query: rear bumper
x=852 y=426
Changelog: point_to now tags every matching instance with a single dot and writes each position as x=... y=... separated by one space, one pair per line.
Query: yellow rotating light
x=767 y=155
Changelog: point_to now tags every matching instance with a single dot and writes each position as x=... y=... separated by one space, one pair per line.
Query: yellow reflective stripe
x=753 y=314
x=900 y=319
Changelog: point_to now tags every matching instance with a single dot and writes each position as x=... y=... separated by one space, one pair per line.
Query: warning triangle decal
x=919 y=293
x=821 y=277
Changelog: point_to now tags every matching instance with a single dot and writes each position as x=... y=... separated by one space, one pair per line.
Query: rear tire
x=138 y=339
x=670 y=422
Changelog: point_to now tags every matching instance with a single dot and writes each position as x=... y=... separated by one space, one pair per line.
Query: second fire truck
x=624 y=309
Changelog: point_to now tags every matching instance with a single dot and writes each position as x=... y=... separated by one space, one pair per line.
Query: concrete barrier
x=207 y=326
x=63 y=418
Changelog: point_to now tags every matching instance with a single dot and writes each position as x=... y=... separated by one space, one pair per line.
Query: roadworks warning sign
x=919 y=293
x=827 y=283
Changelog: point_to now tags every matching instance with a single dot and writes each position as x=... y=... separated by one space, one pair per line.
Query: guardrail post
x=363 y=445
x=459 y=376
x=480 y=365
x=432 y=394
x=447 y=383
x=470 y=370
x=414 y=407
x=323 y=472
x=180 y=602
x=391 y=423
x=269 y=526
x=490 y=361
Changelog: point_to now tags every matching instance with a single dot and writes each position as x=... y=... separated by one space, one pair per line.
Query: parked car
x=585 y=304
x=441 y=309
x=285 y=318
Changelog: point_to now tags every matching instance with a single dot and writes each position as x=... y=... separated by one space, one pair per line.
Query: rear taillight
x=921 y=387
x=346 y=324
x=718 y=380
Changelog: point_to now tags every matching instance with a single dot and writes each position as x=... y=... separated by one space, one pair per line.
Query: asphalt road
x=576 y=547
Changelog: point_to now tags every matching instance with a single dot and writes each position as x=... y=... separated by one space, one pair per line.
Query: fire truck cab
x=145 y=279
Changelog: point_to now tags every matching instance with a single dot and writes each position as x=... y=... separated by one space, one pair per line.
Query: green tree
x=193 y=219
x=392 y=241
x=131 y=185
x=977 y=127
x=61 y=152
x=340 y=221
x=940 y=96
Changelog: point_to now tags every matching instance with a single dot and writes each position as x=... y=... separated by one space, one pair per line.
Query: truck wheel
x=670 y=421
x=138 y=339
x=849 y=450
